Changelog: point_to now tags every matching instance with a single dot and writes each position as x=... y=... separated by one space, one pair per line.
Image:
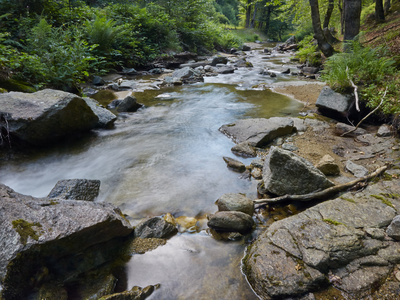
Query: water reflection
x=192 y=267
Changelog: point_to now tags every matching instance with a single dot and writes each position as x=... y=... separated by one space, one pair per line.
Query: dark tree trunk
x=323 y=45
x=328 y=14
x=268 y=19
x=352 y=12
x=253 y=20
x=387 y=6
x=248 y=14
x=340 y=6
x=379 y=12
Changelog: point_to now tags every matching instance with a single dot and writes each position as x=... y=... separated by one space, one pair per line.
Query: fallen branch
x=363 y=119
x=321 y=194
x=355 y=89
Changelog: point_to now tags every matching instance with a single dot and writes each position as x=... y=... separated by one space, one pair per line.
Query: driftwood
x=355 y=89
x=321 y=194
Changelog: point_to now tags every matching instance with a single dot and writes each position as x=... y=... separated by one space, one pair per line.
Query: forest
x=62 y=43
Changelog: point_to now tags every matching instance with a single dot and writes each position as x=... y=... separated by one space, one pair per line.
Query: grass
x=248 y=34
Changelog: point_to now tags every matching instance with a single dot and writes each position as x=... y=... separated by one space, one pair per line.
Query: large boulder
x=334 y=104
x=258 y=132
x=339 y=242
x=45 y=239
x=44 y=116
x=286 y=173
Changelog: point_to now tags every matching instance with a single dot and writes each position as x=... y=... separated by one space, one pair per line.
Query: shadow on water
x=166 y=157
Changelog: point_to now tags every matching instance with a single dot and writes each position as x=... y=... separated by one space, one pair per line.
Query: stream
x=167 y=158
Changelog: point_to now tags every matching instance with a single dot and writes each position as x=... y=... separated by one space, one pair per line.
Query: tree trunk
x=387 y=6
x=328 y=14
x=340 y=6
x=268 y=19
x=248 y=14
x=352 y=12
x=379 y=12
x=253 y=20
x=323 y=45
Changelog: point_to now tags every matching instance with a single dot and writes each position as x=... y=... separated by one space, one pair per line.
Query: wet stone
x=244 y=149
x=235 y=165
x=155 y=228
x=235 y=202
x=232 y=221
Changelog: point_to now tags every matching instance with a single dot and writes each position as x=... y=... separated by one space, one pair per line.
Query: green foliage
x=308 y=52
x=369 y=69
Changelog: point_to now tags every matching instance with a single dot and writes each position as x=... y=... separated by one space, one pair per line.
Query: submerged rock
x=135 y=293
x=234 y=164
x=42 y=117
x=258 y=132
x=52 y=237
x=287 y=173
x=76 y=189
x=155 y=228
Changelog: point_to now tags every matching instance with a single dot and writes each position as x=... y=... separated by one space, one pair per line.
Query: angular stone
x=106 y=117
x=394 y=228
x=244 y=149
x=287 y=173
x=219 y=60
x=232 y=221
x=235 y=202
x=44 y=116
x=155 y=228
x=235 y=165
x=128 y=104
x=384 y=131
x=342 y=128
x=258 y=132
x=328 y=166
x=76 y=189
x=225 y=70
x=135 y=293
x=333 y=103
x=355 y=169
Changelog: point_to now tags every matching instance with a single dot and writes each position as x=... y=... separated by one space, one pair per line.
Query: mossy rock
x=16 y=86
x=2 y=91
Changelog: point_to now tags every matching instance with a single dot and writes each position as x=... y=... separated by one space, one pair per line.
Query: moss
x=2 y=91
x=348 y=199
x=17 y=86
x=386 y=177
x=333 y=222
x=383 y=199
x=25 y=230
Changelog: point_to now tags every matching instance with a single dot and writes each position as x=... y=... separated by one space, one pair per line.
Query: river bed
x=167 y=158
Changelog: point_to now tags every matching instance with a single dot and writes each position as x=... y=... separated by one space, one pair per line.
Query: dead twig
x=355 y=89
x=321 y=194
x=363 y=119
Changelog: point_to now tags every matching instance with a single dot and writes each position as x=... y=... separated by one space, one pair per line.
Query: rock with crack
x=339 y=242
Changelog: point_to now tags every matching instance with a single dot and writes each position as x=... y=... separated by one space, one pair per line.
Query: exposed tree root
x=321 y=194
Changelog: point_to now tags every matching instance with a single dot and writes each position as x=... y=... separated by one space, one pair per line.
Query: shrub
x=370 y=70
x=308 y=52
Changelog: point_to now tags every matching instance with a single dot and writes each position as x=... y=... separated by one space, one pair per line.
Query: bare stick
x=321 y=194
x=355 y=89
x=363 y=119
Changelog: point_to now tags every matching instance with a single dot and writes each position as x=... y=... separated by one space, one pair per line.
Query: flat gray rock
x=331 y=101
x=258 y=132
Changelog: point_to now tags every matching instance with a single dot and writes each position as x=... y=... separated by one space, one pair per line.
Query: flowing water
x=167 y=158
